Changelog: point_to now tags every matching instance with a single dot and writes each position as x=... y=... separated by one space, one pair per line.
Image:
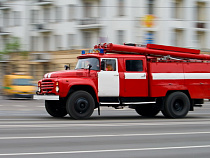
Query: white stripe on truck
x=180 y=76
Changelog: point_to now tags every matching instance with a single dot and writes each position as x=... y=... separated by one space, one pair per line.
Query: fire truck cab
x=148 y=79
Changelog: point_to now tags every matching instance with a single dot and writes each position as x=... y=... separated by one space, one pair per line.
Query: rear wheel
x=54 y=108
x=148 y=110
x=165 y=114
x=80 y=105
x=177 y=105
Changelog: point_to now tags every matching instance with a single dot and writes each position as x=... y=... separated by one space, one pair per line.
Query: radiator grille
x=47 y=86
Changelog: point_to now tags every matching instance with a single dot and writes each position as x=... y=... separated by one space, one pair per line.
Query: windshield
x=84 y=63
x=22 y=82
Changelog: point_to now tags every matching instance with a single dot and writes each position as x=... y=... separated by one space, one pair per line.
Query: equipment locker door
x=108 y=78
x=135 y=78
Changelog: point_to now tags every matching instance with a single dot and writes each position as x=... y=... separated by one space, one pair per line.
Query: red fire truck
x=149 y=79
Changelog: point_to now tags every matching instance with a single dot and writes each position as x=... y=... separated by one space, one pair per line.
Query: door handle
x=116 y=75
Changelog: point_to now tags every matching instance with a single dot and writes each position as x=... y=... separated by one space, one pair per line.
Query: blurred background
x=39 y=36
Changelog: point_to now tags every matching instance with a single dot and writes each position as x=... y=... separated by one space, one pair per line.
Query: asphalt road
x=26 y=130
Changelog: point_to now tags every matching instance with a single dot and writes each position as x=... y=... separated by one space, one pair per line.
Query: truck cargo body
x=193 y=77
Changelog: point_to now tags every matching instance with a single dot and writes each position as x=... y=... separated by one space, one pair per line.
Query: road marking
x=106 y=150
x=102 y=124
x=21 y=106
x=105 y=135
x=39 y=106
x=69 y=121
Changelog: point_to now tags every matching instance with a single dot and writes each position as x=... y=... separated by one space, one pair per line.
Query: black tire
x=80 y=105
x=54 y=108
x=165 y=114
x=147 y=110
x=176 y=105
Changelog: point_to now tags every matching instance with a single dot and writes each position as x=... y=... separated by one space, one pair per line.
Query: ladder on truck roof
x=154 y=50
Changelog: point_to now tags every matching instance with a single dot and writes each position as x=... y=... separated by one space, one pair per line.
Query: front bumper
x=46 y=97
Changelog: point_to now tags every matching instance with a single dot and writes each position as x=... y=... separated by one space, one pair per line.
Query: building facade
x=48 y=29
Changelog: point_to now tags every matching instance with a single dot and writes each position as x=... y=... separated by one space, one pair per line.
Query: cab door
x=135 y=78
x=108 y=78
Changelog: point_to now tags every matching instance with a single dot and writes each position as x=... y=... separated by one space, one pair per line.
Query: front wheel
x=80 y=105
x=177 y=105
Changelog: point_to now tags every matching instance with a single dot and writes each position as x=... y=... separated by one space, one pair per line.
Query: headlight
x=39 y=87
x=57 y=87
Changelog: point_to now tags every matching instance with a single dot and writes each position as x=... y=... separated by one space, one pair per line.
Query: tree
x=13 y=46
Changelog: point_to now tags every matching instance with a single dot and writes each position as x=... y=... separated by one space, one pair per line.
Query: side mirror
x=67 y=67
x=89 y=66
x=102 y=65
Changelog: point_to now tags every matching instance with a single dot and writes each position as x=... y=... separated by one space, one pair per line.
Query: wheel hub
x=81 y=105
x=178 y=106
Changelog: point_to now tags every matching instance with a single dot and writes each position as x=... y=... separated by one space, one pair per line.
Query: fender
x=67 y=83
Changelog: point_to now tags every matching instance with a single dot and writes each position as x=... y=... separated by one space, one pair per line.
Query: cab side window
x=134 y=65
x=109 y=64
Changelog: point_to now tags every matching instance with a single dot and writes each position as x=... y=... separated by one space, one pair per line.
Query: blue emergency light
x=101 y=51
x=94 y=51
x=83 y=52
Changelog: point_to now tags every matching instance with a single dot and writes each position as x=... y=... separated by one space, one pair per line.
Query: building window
x=46 y=43
x=87 y=10
x=178 y=38
x=17 y=18
x=178 y=9
x=33 y=45
x=58 y=42
x=121 y=7
x=46 y=15
x=71 y=13
x=120 y=36
x=201 y=11
x=32 y=19
x=34 y=16
x=150 y=6
x=87 y=40
x=58 y=15
x=6 y=18
x=201 y=39
x=71 y=40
